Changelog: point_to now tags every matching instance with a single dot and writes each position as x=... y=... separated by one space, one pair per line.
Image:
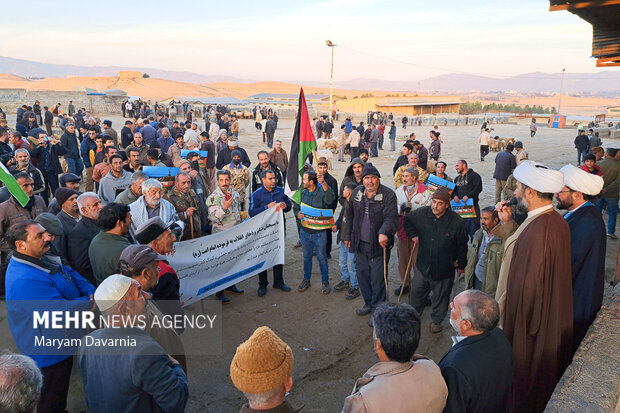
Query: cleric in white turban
x=535 y=288
x=588 y=244
x=538 y=177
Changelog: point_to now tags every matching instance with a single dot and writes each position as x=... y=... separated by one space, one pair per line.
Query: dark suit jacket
x=79 y=240
x=478 y=373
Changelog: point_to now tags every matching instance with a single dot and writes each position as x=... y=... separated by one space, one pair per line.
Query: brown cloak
x=538 y=317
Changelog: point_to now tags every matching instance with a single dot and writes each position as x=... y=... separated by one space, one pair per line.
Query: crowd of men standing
x=522 y=263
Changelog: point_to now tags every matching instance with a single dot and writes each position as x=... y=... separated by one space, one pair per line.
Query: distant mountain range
x=27 y=68
x=601 y=82
x=605 y=81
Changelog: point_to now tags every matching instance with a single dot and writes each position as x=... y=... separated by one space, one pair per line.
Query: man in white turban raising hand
x=535 y=289
x=588 y=244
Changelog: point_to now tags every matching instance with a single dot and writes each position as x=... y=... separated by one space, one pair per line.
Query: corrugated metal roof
x=286 y=96
x=223 y=100
x=414 y=103
x=280 y=102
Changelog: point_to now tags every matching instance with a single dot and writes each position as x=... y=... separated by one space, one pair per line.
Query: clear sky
x=285 y=40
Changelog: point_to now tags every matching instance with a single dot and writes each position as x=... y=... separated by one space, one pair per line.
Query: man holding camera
x=46 y=154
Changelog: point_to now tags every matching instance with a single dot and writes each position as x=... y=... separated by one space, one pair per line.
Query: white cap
x=112 y=290
x=538 y=177
x=579 y=180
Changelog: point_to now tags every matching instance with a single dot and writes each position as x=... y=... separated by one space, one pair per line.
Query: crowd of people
x=96 y=228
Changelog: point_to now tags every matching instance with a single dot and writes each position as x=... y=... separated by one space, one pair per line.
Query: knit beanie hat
x=442 y=194
x=262 y=363
x=62 y=194
x=369 y=169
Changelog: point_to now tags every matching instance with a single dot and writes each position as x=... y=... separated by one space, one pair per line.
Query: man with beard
x=68 y=180
x=265 y=197
x=87 y=146
x=442 y=241
x=114 y=182
x=353 y=175
x=265 y=164
x=534 y=289
x=484 y=258
x=133 y=156
x=588 y=245
x=22 y=156
x=105 y=249
x=279 y=157
x=31 y=277
x=83 y=233
x=224 y=206
x=333 y=184
x=46 y=155
x=186 y=204
x=468 y=186
x=478 y=367
x=151 y=204
x=141 y=263
x=373 y=215
x=404 y=157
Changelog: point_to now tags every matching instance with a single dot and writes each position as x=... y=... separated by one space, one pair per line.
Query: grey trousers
x=440 y=300
x=369 y=272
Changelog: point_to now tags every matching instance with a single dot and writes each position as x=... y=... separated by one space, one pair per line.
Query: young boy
x=347 y=259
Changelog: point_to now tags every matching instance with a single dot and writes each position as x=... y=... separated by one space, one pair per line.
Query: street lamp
x=331 y=79
x=560 y=99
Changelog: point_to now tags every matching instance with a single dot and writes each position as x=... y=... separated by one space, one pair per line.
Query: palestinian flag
x=12 y=185
x=302 y=146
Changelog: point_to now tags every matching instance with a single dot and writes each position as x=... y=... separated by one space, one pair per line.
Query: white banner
x=209 y=264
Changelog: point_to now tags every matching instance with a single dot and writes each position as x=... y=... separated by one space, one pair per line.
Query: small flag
x=12 y=185
x=302 y=146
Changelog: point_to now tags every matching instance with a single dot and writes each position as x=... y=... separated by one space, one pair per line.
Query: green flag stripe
x=13 y=186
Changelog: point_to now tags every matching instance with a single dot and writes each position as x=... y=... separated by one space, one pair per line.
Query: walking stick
x=387 y=290
x=408 y=270
x=191 y=226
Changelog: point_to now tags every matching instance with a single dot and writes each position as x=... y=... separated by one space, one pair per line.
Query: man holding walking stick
x=373 y=218
x=442 y=239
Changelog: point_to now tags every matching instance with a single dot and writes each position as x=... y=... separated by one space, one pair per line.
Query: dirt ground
x=332 y=346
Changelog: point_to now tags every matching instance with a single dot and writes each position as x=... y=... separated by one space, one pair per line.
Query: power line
x=472 y=73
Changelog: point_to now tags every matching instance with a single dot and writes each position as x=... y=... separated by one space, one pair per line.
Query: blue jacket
x=348 y=127
x=149 y=134
x=136 y=379
x=262 y=197
x=85 y=147
x=31 y=279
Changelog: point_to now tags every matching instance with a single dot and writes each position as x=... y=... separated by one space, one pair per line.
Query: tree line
x=470 y=108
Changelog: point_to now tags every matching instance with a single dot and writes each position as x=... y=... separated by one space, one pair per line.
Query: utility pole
x=331 y=78
x=560 y=99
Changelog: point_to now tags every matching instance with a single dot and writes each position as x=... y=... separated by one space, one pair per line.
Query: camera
x=7 y=158
x=405 y=209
